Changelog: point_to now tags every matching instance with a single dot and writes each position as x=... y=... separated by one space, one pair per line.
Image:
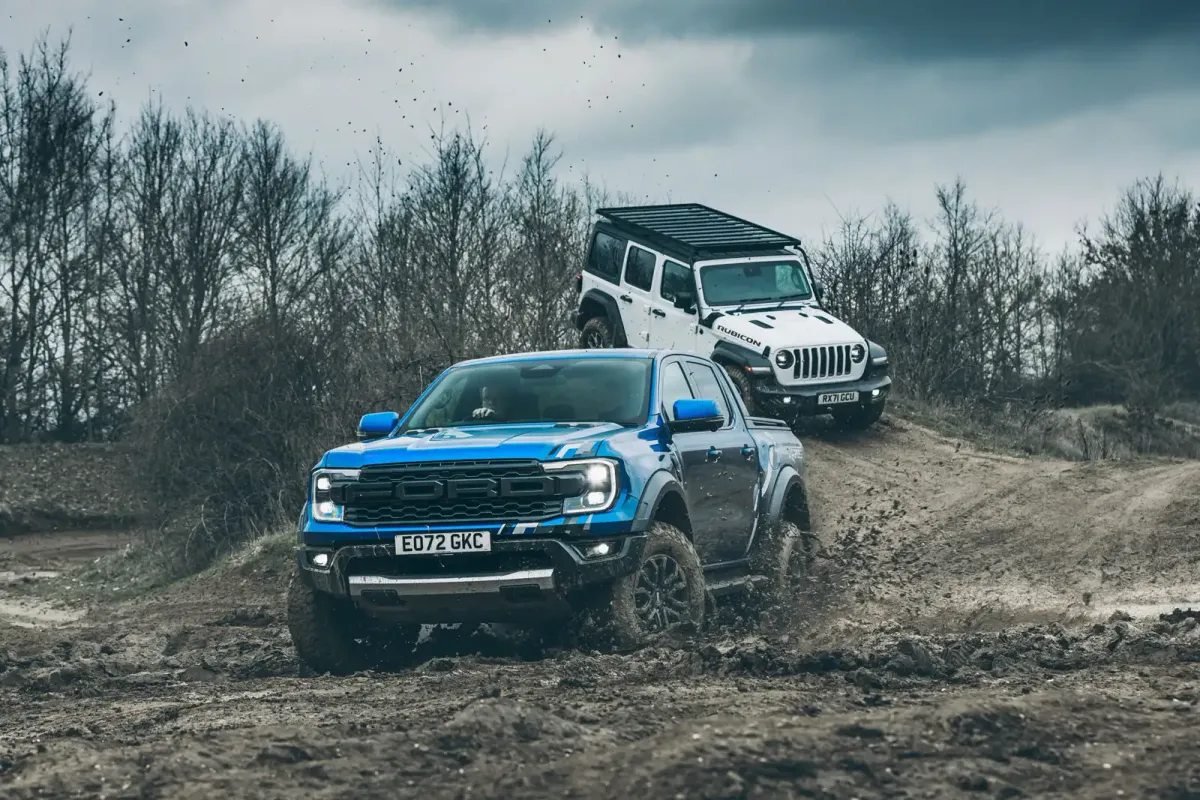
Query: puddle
x=13 y=576
x=32 y=614
x=1143 y=610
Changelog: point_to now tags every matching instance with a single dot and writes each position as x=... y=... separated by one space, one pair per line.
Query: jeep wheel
x=597 y=333
x=741 y=382
x=331 y=635
x=667 y=591
x=860 y=417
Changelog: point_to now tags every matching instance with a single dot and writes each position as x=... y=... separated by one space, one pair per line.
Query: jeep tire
x=741 y=382
x=597 y=333
x=665 y=593
x=332 y=636
x=859 y=417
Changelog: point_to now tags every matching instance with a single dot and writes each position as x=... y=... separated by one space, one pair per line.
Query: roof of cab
x=616 y=352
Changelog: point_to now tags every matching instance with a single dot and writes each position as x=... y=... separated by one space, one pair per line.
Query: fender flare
x=787 y=478
x=725 y=352
x=661 y=485
x=611 y=310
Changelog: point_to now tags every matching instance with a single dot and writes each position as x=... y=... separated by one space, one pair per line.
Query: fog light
x=594 y=498
x=874 y=393
x=321 y=560
x=327 y=509
x=787 y=400
x=597 y=550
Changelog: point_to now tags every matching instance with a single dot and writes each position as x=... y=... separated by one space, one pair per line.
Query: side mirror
x=377 y=425
x=819 y=290
x=696 y=415
x=685 y=301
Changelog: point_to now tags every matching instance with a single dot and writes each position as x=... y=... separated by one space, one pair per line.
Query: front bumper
x=522 y=578
x=804 y=400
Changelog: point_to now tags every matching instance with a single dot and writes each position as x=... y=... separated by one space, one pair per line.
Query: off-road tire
x=860 y=417
x=597 y=331
x=613 y=619
x=783 y=554
x=332 y=636
x=741 y=382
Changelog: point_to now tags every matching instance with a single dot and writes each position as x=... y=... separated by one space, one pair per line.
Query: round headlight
x=858 y=353
x=784 y=359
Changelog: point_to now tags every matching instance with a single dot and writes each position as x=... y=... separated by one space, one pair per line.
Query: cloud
x=920 y=31
x=789 y=128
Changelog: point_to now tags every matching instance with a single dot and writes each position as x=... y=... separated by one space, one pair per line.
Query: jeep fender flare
x=736 y=355
x=595 y=297
x=662 y=487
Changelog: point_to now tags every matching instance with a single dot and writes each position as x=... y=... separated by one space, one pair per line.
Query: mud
x=975 y=626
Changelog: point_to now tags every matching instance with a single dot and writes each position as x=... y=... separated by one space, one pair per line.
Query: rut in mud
x=958 y=635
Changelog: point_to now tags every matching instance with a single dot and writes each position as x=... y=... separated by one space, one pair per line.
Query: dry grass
x=1094 y=433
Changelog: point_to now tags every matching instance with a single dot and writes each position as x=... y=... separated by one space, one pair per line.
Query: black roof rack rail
x=695 y=229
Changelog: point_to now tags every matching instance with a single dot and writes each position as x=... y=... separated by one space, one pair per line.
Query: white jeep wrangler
x=691 y=278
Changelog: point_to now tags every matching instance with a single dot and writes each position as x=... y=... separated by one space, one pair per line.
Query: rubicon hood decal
x=784 y=328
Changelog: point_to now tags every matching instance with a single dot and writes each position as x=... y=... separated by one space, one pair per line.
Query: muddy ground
x=976 y=626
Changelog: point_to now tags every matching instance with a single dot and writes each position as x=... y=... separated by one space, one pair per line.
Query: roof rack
x=696 y=229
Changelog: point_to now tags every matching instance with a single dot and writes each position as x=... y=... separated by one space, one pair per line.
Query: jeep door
x=637 y=279
x=670 y=327
x=720 y=468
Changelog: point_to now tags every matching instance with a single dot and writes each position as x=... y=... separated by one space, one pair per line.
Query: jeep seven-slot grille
x=374 y=500
x=825 y=361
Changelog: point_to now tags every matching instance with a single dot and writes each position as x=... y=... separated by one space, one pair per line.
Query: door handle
x=658 y=312
x=626 y=298
x=747 y=452
x=713 y=454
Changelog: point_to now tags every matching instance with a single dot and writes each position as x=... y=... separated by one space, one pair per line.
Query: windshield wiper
x=751 y=300
x=418 y=431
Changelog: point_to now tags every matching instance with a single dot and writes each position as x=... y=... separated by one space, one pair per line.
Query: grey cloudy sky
x=785 y=111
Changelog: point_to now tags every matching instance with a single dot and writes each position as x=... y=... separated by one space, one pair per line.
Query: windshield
x=595 y=389
x=730 y=284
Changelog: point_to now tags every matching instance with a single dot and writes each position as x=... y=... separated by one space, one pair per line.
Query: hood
x=539 y=441
x=789 y=327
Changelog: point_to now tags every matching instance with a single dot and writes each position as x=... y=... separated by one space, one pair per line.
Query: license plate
x=432 y=544
x=834 y=398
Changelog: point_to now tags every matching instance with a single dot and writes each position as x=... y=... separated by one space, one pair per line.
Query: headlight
x=858 y=353
x=322 y=499
x=598 y=482
x=784 y=359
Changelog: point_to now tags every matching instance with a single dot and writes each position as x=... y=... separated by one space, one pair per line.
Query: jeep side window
x=605 y=259
x=709 y=388
x=676 y=278
x=672 y=386
x=639 y=268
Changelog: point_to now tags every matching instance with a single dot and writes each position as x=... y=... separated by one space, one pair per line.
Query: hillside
x=961 y=632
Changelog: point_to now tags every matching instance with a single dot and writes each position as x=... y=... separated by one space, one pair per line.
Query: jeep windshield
x=588 y=389
x=754 y=282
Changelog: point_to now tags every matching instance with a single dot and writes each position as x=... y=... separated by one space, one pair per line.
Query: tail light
x=578 y=281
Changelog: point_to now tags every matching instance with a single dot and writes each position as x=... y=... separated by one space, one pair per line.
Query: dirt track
x=955 y=640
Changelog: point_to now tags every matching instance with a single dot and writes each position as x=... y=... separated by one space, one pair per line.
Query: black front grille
x=375 y=498
x=823 y=361
x=496 y=563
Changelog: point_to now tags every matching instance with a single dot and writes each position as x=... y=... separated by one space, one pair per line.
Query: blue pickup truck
x=617 y=492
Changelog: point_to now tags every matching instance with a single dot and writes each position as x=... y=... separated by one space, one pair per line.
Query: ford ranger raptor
x=612 y=491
